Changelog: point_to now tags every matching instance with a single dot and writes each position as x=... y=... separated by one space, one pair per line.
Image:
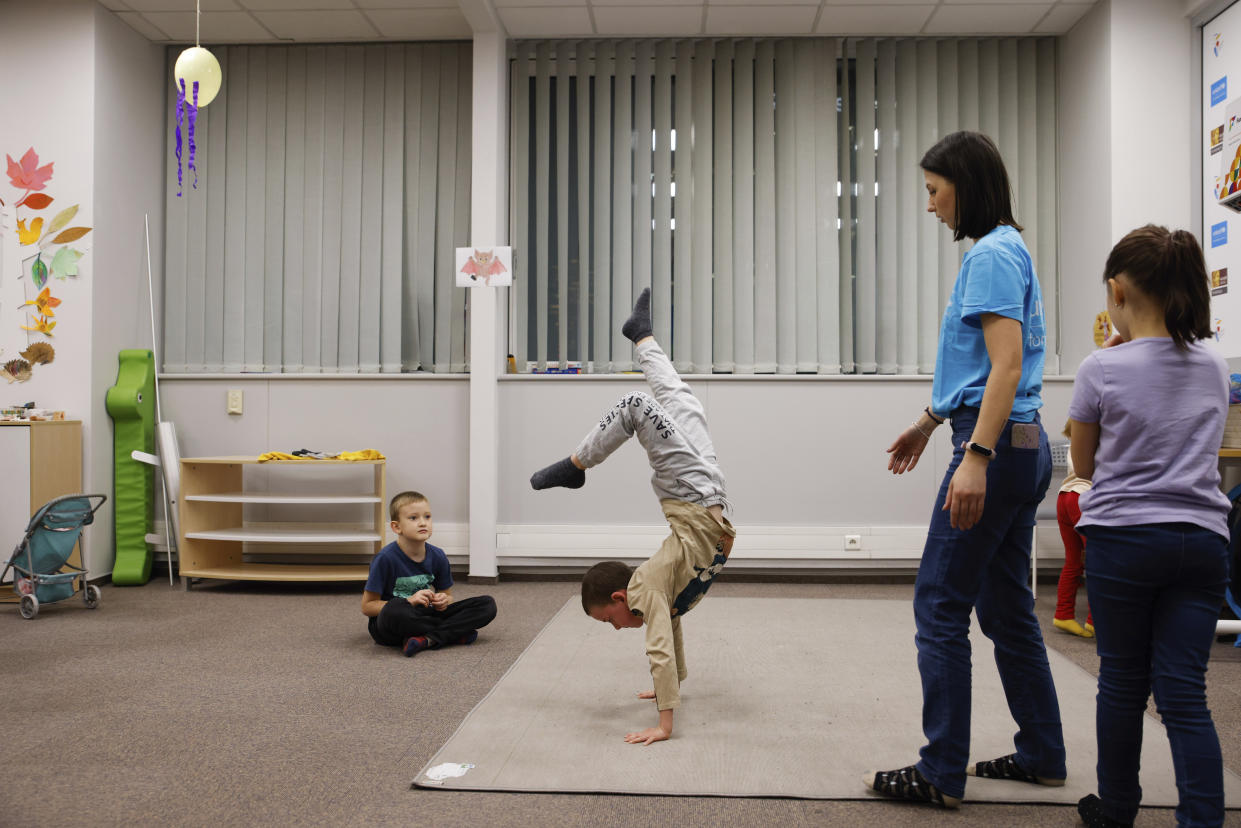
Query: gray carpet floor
x=267 y=704
x=801 y=704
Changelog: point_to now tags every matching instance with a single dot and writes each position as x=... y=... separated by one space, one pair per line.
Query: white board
x=1221 y=174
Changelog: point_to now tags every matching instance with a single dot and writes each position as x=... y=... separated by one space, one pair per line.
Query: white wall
x=129 y=128
x=805 y=459
x=1153 y=128
x=48 y=104
x=96 y=112
x=1126 y=144
x=1085 y=148
x=47 y=58
x=802 y=457
x=420 y=424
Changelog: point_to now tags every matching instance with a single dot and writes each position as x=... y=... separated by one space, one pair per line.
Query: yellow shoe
x=1090 y=628
x=1070 y=625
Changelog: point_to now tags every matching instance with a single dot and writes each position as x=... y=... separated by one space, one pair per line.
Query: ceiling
x=317 y=21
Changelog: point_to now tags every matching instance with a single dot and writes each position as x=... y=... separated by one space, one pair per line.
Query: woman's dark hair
x=601 y=580
x=972 y=163
x=1168 y=267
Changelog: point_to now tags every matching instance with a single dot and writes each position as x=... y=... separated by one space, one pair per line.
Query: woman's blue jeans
x=985 y=569
x=1156 y=591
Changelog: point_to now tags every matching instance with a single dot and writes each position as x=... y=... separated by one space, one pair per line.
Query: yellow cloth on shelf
x=276 y=455
x=363 y=454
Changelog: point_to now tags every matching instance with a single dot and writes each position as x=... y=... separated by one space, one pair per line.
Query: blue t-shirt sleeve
x=379 y=580
x=441 y=570
x=992 y=283
x=1087 y=403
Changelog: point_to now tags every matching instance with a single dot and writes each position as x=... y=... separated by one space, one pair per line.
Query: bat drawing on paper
x=483 y=263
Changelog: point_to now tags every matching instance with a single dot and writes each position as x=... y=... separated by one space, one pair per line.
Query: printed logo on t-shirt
x=1036 y=336
x=652 y=414
x=407 y=585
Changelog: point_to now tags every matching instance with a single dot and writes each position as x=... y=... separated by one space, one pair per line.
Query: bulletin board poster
x=1221 y=174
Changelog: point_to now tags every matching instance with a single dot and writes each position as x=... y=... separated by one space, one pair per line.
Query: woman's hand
x=967 y=492
x=906 y=450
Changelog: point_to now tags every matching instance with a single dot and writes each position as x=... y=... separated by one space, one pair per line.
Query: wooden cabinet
x=39 y=461
x=284 y=520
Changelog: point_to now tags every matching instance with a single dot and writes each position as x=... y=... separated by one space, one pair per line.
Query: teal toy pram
x=40 y=563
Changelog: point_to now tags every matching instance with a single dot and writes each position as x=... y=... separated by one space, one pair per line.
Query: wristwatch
x=980 y=450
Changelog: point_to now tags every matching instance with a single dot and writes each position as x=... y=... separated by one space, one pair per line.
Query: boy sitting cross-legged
x=672 y=427
x=408 y=595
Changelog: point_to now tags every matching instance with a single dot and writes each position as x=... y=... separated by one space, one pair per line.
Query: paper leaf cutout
x=40 y=353
x=6 y=376
x=38 y=272
x=37 y=201
x=41 y=325
x=45 y=303
x=30 y=236
x=65 y=262
x=19 y=369
x=70 y=235
x=62 y=218
x=28 y=175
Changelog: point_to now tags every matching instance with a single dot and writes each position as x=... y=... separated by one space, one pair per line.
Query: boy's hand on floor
x=646 y=737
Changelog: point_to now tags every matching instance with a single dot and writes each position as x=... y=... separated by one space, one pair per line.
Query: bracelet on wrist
x=918 y=427
x=938 y=420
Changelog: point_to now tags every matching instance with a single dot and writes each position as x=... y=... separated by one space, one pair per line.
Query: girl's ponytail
x=1168 y=267
x=1187 y=301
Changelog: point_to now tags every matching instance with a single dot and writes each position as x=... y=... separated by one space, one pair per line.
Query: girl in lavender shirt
x=1147 y=421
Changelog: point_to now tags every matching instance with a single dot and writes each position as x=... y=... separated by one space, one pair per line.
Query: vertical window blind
x=768 y=191
x=333 y=187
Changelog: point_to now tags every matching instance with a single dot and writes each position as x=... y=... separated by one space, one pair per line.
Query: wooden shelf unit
x=215 y=532
x=41 y=459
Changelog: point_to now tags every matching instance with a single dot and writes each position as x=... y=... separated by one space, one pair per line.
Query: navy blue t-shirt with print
x=394 y=575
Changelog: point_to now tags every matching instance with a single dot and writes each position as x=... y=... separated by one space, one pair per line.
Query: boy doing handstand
x=672 y=427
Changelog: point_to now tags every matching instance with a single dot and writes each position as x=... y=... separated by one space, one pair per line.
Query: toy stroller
x=44 y=551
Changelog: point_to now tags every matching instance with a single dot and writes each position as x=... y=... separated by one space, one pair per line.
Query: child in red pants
x=1067 y=515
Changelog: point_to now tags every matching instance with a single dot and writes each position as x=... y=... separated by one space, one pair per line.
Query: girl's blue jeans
x=985 y=569
x=1156 y=591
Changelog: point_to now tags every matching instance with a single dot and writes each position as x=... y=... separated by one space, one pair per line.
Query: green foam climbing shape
x=131 y=405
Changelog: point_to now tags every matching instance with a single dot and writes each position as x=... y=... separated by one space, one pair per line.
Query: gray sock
x=561 y=473
x=638 y=325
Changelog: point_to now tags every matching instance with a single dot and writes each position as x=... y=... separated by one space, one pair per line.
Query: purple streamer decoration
x=193 y=119
x=180 y=115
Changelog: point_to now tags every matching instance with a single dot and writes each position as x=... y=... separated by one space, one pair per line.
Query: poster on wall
x=1221 y=173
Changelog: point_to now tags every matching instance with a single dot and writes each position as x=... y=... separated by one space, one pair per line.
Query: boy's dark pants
x=399 y=620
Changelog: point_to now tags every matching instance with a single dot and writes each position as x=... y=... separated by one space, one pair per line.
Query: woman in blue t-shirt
x=988 y=380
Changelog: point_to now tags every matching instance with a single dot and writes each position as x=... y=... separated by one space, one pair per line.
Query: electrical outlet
x=234 y=401
x=853 y=542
